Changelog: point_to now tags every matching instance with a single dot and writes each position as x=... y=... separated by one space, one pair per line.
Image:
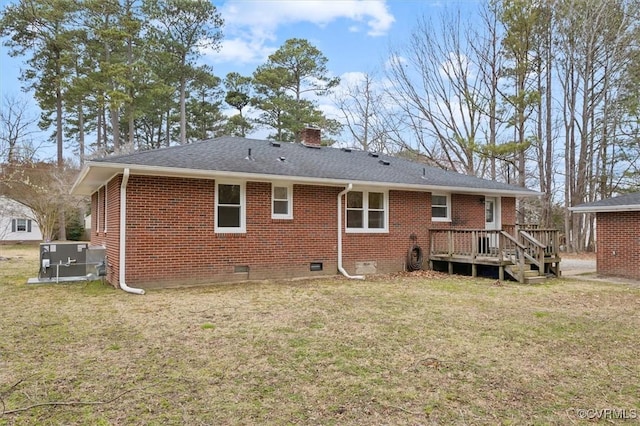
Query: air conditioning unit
x=71 y=261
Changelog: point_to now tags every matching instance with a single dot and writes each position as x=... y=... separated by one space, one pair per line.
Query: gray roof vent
x=275 y=144
x=308 y=145
x=373 y=154
x=346 y=149
x=282 y=159
x=384 y=162
x=249 y=157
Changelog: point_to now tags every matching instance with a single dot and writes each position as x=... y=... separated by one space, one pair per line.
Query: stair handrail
x=521 y=253
x=540 y=249
x=512 y=239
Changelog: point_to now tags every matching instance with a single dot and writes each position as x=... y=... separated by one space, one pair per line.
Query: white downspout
x=340 y=268
x=123 y=235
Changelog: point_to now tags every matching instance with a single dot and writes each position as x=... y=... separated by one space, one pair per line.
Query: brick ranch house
x=235 y=209
x=618 y=234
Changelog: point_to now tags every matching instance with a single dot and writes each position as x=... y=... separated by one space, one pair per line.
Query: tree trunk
x=81 y=147
x=183 y=111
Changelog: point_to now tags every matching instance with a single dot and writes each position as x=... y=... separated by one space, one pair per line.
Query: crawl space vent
x=315 y=266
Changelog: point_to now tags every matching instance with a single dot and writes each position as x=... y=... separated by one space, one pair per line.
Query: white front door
x=492 y=220
x=490 y=213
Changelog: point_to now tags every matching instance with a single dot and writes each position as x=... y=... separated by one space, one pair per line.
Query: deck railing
x=472 y=243
x=550 y=238
x=515 y=246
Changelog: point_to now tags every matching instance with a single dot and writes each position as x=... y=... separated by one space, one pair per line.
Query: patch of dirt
x=418 y=274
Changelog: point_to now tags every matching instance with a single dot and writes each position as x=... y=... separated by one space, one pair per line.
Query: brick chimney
x=310 y=136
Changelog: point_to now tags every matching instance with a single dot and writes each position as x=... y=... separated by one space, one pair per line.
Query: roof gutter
x=605 y=209
x=340 y=267
x=210 y=174
x=123 y=235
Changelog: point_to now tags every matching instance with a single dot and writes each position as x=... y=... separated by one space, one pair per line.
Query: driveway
x=583 y=267
x=572 y=264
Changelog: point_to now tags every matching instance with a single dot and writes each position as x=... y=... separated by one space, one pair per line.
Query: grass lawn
x=388 y=350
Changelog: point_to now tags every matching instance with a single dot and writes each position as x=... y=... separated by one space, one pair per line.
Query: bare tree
x=44 y=188
x=17 y=127
x=363 y=102
x=436 y=84
x=490 y=60
x=592 y=51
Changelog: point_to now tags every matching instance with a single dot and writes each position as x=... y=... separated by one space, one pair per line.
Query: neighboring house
x=231 y=209
x=617 y=234
x=87 y=227
x=17 y=222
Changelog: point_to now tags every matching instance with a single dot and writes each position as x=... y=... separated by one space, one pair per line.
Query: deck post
x=474 y=245
x=450 y=264
x=474 y=270
x=501 y=272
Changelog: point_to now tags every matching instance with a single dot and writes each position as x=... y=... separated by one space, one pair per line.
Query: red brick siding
x=508 y=212
x=409 y=213
x=618 y=244
x=111 y=238
x=468 y=211
x=171 y=239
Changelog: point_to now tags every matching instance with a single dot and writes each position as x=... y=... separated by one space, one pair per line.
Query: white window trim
x=26 y=225
x=441 y=219
x=242 y=229
x=365 y=208
x=289 y=187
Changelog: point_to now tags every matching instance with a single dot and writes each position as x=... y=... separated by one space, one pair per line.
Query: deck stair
x=529 y=275
x=530 y=256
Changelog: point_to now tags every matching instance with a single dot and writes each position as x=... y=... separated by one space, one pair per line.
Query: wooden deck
x=527 y=255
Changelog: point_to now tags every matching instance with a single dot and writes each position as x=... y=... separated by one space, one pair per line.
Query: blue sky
x=354 y=35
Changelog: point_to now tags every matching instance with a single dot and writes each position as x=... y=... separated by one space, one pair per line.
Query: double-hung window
x=367 y=211
x=230 y=214
x=440 y=208
x=21 y=225
x=282 y=201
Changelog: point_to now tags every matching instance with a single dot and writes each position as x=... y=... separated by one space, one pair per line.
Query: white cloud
x=250 y=26
x=395 y=60
x=241 y=51
x=269 y=14
x=352 y=78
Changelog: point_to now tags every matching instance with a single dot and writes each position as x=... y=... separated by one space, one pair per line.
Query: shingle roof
x=627 y=202
x=293 y=160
